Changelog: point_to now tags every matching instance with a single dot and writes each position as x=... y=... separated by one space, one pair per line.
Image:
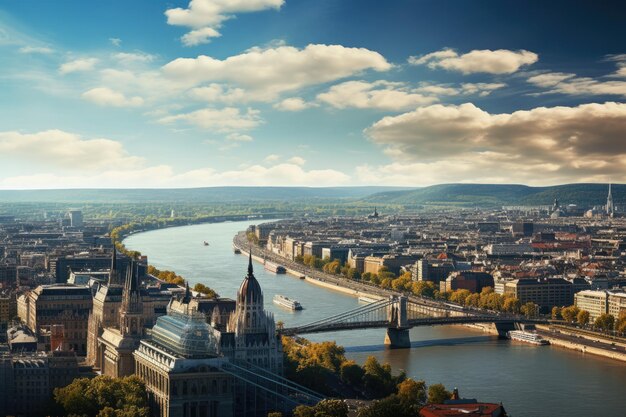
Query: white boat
x=286 y=302
x=528 y=337
x=367 y=299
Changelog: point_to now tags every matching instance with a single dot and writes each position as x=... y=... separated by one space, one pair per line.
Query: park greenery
x=324 y=367
x=103 y=396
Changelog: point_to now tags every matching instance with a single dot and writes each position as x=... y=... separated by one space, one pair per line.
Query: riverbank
x=355 y=289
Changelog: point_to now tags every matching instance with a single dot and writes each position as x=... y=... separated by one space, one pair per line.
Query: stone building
x=58 y=304
x=116 y=344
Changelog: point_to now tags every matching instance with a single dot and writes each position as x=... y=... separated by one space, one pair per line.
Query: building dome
x=187 y=335
x=250 y=289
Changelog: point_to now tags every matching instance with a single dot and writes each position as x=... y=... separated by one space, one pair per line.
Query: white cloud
x=297 y=160
x=265 y=73
x=200 y=36
x=63 y=150
x=210 y=14
x=293 y=104
x=164 y=176
x=36 y=50
x=500 y=61
x=554 y=144
x=82 y=64
x=238 y=137
x=133 y=57
x=223 y=120
x=382 y=95
x=104 y=96
x=570 y=84
x=219 y=93
x=272 y=158
x=115 y=41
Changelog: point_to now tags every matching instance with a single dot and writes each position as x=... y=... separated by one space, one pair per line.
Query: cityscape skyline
x=293 y=93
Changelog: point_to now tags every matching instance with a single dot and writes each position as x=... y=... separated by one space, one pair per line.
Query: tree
x=569 y=313
x=583 y=317
x=203 y=289
x=459 y=296
x=351 y=373
x=620 y=324
x=605 y=322
x=412 y=392
x=511 y=305
x=556 y=313
x=530 y=310
x=325 y=408
x=275 y=414
x=387 y=407
x=104 y=396
x=437 y=394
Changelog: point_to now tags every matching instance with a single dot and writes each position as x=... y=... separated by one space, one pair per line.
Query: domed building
x=180 y=363
x=250 y=332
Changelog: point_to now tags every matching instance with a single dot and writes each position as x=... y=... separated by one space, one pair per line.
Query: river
x=530 y=381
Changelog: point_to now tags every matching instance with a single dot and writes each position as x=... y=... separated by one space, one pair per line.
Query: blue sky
x=318 y=93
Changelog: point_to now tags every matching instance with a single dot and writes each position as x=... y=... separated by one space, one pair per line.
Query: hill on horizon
x=584 y=195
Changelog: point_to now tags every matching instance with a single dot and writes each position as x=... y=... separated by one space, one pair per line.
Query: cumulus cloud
x=272 y=158
x=164 y=176
x=104 y=96
x=199 y=36
x=63 y=150
x=500 y=61
x=82 y=64
x=549 y=144
x=115 y=41
x=293 y=104
x=206 y=16
x=382 y=95
x=386 y=95
x=297 y=160
x=219 y=93
x=238 y=137
x=133 y=57
x=223 y=120
x=570 y=84
x=36 y=50
x=265 y=73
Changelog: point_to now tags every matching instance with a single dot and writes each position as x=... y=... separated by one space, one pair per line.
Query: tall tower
x=131 y=310
x=610 y=208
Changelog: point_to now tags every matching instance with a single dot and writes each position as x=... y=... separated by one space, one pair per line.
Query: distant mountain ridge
x=583 y=195
x=192 y=195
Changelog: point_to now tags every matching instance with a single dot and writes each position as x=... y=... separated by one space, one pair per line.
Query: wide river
x=530 y=381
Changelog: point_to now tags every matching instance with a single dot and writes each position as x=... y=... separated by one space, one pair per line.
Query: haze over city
x=289 y=92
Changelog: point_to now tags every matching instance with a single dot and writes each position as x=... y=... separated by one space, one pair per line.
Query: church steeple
x=131 y=310
x=114 y=275
x=610 y=208
x=250 y=289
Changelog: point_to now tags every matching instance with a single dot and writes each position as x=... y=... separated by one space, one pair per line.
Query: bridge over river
x=399 y=313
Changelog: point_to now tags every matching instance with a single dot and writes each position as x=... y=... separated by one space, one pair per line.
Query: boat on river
x=287 y=302
x=528 y=337
x=275 y=268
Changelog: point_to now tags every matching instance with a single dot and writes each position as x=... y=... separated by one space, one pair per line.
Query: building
x=180 y=364
x=617 y=303
x=28 y=380
x=21 y=339
x=595 y=302
x=58 y=304
x=116 y=344
x=466 y=280
x=545 y=292
x=250 y=332
x=76 y=218
x=458 y=407
x=610 y=208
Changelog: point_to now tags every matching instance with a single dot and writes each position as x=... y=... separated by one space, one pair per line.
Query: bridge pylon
x=398 y=330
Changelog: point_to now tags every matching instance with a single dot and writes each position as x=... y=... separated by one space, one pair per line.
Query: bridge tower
x=398 y=330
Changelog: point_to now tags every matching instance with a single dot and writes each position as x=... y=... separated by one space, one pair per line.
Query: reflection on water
x=530 y=381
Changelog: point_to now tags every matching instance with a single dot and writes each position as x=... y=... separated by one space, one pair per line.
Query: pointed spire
x=113 y=272
x=187 y=297
x=250 y=268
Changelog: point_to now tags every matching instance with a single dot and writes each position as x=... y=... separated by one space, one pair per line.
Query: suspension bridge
x=398 y=314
